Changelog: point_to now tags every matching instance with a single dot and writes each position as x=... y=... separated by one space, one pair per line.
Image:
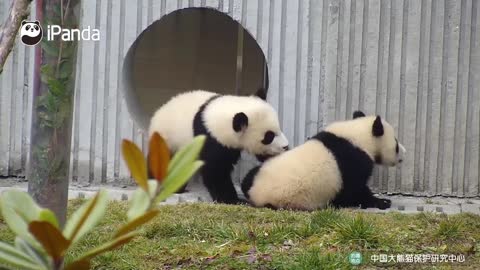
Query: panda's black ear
x=377 y=128
x=37 y=22
x=240 y=122
x=358 y=114
x=24 y=22
x=261 y=93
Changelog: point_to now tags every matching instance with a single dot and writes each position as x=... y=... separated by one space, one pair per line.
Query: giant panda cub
x=231 y=124
x=332 y=167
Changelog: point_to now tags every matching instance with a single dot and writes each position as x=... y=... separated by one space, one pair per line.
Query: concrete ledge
x=197 y=193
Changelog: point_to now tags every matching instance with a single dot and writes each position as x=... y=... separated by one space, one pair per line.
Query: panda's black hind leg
x=219 y=185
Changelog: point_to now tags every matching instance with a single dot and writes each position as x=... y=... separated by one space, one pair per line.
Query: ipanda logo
x=31 y=33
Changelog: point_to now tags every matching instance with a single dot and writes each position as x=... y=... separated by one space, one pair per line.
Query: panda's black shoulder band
x=198 y=126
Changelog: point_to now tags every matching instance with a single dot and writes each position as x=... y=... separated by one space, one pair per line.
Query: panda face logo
x=31 y=32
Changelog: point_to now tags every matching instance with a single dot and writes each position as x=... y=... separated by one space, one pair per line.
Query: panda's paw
x=377 y=203
x=383 y=203
x=242 y=201
x=232 y=201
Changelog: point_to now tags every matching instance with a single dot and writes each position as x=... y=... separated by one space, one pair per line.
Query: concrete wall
x=415 y=62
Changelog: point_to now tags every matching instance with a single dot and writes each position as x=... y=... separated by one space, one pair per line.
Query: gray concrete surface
x=197 y=193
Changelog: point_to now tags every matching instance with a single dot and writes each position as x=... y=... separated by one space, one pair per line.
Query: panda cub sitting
x=332 y=167
x=230 y=123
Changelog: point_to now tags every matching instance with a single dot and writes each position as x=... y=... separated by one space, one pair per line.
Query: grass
x=357 y=230
x=450 y=228
x=207 y=236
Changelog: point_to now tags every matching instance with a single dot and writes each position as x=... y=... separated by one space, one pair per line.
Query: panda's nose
x=285 y=148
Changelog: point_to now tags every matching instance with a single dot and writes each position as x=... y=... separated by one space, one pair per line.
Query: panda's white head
x=374 y=135
x=246 y=122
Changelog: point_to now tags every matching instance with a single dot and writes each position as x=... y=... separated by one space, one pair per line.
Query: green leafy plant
x=41 y=244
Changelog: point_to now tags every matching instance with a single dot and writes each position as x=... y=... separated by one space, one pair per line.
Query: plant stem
x=58 y=264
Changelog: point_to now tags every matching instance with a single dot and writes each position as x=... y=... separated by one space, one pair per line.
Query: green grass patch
x=326 y=219
x=209 y=236
x=357 y=230
x=449 y=228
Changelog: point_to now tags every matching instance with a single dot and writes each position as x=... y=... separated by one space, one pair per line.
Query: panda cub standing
x=332 y=167
x=231 y=124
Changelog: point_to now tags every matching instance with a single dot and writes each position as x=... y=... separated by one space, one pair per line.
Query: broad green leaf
x=177 y=179
x=139 y=204
x=117 y=242
x=187 y=154
x=50 y=237
x=12 y=256
x=48 y=216
x=179 y=155
x=19 y=209
x=132 y=225
x=136 y=163
x=79 y=265
x=152 y=187
x=158 y=157
x=86 y=217
x=183 y=166
x=21 y=203
x=39 y=257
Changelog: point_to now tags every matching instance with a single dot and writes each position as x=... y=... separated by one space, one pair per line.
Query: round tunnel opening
x=188 y=49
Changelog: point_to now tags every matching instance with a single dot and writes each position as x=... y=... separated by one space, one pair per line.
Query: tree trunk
x=19 y=11
x=53 y=110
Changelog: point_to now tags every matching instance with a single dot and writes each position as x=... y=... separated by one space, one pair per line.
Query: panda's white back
x=174 y=120
x=306 y=177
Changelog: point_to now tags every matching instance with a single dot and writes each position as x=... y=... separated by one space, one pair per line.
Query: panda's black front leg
x=370 y=201
x=219 y=184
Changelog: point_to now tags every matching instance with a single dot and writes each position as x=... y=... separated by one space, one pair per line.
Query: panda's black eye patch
x=36 y=27
x=28 y=27
x=268 y=137
x=397 y=149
